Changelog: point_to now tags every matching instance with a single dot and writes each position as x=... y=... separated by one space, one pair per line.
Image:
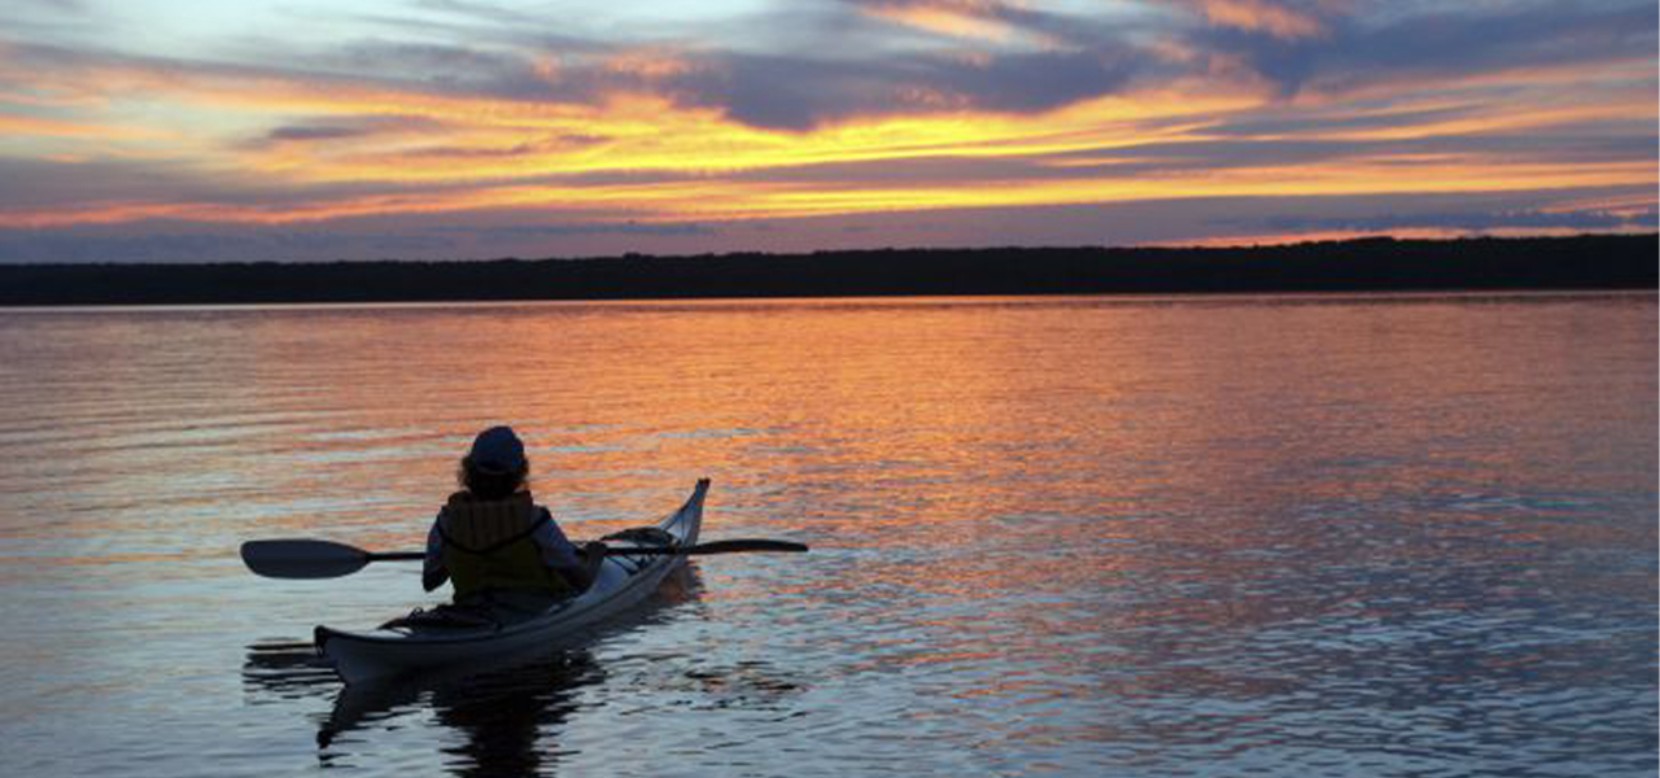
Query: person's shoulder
x=462 y=497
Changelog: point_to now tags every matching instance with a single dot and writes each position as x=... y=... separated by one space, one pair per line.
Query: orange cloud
x=649 y=63
x=725 y=199
x=631 y=154
x=14 y=125
x=1261 y=16
x=971 y=19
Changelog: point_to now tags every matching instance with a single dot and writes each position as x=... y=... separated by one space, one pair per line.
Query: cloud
x=843 y=66
x=179 y=241
x=1478 y=221
x=1451 y=41
x=33 y=18
x=333 y=128
x=459 y=110
x=798 y=94
x=303 y=132
x=791 y=91
x=67 y=186
x=218 y=245
x=531 y=234
x=1284 y=21
x=983 y=21
x=587 y=228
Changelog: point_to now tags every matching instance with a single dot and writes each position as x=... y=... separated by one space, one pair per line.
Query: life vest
x=488 y=546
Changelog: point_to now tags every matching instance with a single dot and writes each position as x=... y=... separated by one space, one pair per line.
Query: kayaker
x=491 y=539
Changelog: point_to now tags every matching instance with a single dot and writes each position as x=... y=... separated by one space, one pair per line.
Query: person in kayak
x=493 y=542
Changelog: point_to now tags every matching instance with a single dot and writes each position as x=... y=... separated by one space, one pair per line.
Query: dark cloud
x=1292 y=122
x=161 y=241
x=217 y=245
x=1040 y=82
x=784 y=92
x=314 y=132
x=550 y=144
x=70 y=184
x=797 y=94
x=73 y=185
x=834 y=60
x=778 y=91
x=1456 y=40
x=1470 y=221
x=345 y=128
x=587 y=228
x=847 y=65
x=827 y=65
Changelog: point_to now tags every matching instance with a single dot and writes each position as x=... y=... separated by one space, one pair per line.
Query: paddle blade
x=302 y=558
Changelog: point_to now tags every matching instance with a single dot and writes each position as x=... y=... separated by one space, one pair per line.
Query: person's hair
x=490 y=486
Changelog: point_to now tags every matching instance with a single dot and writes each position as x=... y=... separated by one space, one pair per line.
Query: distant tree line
x=1587 y=262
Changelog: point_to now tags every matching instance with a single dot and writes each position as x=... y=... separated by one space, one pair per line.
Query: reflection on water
x=507 y=712
x=507 y=718
x=1334 y=536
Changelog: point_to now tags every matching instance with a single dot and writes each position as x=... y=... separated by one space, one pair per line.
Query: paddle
x=327 y=559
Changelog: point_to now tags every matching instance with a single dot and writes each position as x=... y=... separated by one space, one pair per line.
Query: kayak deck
x=623 y=580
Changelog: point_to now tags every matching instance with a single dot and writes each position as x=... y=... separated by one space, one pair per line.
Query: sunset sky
x=181 y=130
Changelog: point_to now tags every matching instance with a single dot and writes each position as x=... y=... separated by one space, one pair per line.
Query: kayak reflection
x=509 y=712
x=510 y=718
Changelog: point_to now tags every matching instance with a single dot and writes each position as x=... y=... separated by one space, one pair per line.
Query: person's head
x=496 y=466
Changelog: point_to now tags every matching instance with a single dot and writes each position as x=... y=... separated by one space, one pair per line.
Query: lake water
x=1363 y=536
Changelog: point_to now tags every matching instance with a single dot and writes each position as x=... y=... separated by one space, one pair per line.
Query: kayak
x=624 y=580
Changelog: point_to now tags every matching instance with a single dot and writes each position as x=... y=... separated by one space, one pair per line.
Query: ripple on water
x=1226 y=537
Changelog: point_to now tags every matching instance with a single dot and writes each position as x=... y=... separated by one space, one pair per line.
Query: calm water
x=1277 y=536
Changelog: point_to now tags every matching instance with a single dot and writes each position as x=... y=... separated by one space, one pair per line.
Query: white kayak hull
x=623 y=582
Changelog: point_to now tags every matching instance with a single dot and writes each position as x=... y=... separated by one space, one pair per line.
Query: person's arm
x=593 y=554
x=433 y=572
x=577 y=566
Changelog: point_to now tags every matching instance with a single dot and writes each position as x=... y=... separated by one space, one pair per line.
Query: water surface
x=1193 y=536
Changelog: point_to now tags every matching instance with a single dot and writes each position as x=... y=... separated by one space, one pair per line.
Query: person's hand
x=595 y=549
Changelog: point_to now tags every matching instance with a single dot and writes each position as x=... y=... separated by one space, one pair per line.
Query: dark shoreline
x=1586 y=262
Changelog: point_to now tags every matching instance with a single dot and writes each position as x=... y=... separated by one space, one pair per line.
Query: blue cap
x=498 y=450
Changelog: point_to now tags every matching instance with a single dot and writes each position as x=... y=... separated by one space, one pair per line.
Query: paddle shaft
x=326 y=559
x=714 y=547
x=394 y=556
